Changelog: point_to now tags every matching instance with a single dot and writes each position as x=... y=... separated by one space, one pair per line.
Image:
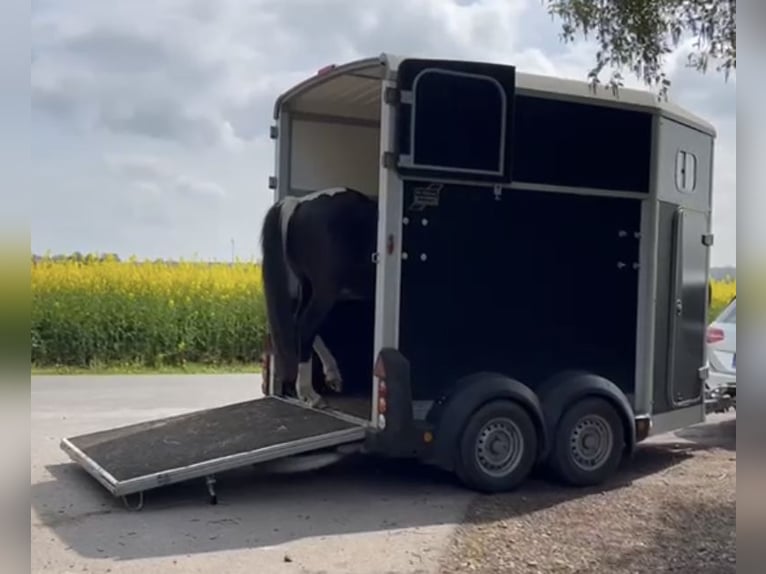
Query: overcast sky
x=150 y=119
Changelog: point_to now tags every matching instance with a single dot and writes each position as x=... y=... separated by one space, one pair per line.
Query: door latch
x=679 y=307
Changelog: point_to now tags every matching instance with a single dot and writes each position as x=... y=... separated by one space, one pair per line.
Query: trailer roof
x=354 y=86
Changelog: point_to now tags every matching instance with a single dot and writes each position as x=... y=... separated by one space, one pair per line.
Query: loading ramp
x=139 y=457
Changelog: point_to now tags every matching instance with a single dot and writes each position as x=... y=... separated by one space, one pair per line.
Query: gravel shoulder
x=671 y=509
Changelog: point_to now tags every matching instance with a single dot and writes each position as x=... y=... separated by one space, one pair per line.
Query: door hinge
x=272 y=182
x=273 y=132
x=388 y=159
x=707 y=239
x=391 y=96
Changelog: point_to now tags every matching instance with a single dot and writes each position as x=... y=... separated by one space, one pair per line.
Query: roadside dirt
x=671 y=509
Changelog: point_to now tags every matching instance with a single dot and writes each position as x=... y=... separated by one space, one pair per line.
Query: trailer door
x=454 y=120
x=689 y=313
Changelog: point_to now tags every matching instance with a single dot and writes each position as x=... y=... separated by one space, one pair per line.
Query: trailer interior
x=332 y=139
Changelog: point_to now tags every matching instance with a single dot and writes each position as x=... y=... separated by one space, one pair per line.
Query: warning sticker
x=427 y=196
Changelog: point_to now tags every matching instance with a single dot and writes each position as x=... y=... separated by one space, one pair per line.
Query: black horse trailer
x=541 y=295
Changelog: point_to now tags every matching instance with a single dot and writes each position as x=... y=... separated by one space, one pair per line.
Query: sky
x=150 y=119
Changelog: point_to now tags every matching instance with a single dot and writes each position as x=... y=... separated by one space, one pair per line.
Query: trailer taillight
x=382 y=397
x=714 y=335
x=380 y=374
x=380 y=369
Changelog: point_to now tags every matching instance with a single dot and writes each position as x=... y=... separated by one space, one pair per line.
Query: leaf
x=639 y=34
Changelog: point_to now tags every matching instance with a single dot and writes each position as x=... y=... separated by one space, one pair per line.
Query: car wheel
x=498 y=447
x=588 y=443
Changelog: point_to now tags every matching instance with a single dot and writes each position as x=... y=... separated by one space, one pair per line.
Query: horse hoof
x=318 y=403
x=315 y=401
x=335 y=385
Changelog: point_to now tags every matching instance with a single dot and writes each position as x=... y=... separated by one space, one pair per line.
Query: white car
x=722 y=355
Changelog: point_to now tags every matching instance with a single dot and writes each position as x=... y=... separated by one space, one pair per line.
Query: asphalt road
x=359 y=516
x=356 y=516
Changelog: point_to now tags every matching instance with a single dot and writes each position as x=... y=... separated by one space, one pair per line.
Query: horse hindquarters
x=279 y=303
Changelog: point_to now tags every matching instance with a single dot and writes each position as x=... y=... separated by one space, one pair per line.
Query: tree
x=639 y=34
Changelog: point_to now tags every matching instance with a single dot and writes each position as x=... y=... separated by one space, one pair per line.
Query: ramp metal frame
x=209 y=467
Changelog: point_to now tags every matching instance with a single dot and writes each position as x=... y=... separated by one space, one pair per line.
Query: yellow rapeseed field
x=106 y=312
x=723 y=292
x=145 y=313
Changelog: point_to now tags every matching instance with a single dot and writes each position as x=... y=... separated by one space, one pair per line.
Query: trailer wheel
x=588 y=443
x=498 y=447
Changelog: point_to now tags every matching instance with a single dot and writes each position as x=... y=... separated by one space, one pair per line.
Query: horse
x=317 y=249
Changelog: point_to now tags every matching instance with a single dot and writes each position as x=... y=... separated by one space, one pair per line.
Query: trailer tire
x=504 y=422
x=580 y=464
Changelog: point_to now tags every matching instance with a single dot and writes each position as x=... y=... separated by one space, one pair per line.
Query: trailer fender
x=560 y=391
x=452 y=411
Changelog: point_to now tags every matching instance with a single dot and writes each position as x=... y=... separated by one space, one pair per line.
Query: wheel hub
x=591 y=442
x=499 y=447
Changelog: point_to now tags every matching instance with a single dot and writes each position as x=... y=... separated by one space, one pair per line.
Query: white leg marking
x=329 y=365
x=304 y=388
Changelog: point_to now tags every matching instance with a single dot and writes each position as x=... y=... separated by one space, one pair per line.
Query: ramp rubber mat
x=157 y=446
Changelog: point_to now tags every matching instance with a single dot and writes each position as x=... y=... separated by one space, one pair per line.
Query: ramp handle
x=210 y=482
x=138 y=506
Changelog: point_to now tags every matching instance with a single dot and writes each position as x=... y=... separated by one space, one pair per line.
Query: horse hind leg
x=330 y=368
x=308 y=326
x=304 y=386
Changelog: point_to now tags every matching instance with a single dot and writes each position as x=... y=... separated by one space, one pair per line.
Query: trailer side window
x=686 y=171
x=458 y=123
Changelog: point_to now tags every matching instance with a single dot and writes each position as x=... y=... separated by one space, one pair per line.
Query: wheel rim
x=591 y=442
x=499 y=447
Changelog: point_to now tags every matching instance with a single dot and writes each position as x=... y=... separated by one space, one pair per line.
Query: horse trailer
x=540 y=264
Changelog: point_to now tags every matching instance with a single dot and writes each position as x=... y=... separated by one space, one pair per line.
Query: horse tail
x=276 y=287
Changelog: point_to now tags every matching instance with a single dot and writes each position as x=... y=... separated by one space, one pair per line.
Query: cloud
x=152 y=177
x=205 y=74
x=179 y=95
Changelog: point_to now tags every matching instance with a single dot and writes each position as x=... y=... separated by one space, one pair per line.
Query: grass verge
x=188 y=369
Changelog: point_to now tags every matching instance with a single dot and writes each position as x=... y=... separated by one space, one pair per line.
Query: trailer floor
x=158 y=446
x=355 y=406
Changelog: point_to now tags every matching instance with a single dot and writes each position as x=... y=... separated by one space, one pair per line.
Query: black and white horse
x=317 y=249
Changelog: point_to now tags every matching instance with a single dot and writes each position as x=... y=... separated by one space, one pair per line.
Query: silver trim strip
x=388 y=276
x=647 y=294
x=579 y=190
x=536 y=187
x=91 y=466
